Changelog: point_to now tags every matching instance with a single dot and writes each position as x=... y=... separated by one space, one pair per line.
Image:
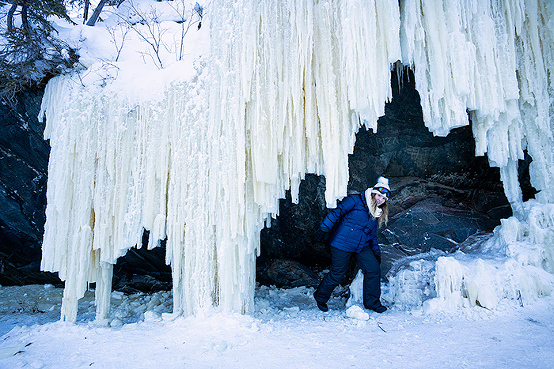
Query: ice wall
x=495 y=60
x=282 y=92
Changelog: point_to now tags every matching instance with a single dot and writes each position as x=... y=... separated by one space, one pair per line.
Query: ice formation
x=356 y=312
x=493 y=59
x=282 y=92
x=205 y=164
x=514 y=264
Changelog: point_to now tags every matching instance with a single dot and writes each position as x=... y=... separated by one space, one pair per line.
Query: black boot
x=380 y=309
x=322 y=306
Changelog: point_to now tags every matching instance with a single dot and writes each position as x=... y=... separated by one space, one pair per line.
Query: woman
x=352 y=230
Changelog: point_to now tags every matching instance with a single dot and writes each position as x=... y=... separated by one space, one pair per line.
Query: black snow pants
x=339 y=264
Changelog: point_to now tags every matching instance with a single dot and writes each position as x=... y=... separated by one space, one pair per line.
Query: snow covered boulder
x=512 y=264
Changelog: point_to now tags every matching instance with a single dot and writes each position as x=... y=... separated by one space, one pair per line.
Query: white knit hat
x=382 y=187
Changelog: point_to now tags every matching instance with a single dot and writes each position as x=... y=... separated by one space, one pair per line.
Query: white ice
x=195 y=136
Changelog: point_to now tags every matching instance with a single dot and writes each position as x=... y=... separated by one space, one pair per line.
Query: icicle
x=536 y=68
x=493 y=58
x=509 y=177
x=103 y=292
x=449 y=281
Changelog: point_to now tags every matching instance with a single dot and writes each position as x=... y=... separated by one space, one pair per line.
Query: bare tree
x=148 y=26
x=94 y=17
x=186 y=19
x=85 y=10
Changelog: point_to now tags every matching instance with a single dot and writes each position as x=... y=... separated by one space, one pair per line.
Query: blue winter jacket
x=352 y=226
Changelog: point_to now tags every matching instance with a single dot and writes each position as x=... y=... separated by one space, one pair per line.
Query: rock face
x=23 y=169
x=441 y=195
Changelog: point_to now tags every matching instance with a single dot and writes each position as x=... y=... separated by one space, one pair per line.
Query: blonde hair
x=384 y=217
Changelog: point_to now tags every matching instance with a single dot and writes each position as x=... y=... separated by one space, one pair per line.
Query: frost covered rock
x=431 y=225
x=287 y=273
x=514 y=264
x=411 y=281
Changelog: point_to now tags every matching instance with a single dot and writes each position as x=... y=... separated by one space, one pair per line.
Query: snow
x=488 y=305
x=284 y=330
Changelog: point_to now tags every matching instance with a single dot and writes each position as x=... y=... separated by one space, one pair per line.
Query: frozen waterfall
x=202 y=158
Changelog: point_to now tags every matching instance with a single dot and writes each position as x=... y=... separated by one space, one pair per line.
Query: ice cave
x=200 y=151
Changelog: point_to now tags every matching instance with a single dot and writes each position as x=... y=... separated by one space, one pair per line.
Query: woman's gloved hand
x=321 y=235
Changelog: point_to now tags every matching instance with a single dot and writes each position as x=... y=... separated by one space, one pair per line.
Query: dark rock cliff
x=23 y=172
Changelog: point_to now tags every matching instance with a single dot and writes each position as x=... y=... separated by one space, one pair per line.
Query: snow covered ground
x=515 y=329
x=286 y=330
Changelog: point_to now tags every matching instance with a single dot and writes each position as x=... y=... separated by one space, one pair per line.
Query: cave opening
x=437 y=178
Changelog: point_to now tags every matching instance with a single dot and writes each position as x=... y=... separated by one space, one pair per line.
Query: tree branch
x=94 y=17
x=10 y=17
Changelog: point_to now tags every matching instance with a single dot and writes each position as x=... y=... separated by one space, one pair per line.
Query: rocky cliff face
x=23 y=173
x=441 y=195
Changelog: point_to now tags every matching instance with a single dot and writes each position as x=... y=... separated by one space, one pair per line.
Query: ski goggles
x=382 y=190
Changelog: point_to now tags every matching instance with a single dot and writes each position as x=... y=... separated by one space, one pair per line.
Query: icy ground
x=285 y=331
